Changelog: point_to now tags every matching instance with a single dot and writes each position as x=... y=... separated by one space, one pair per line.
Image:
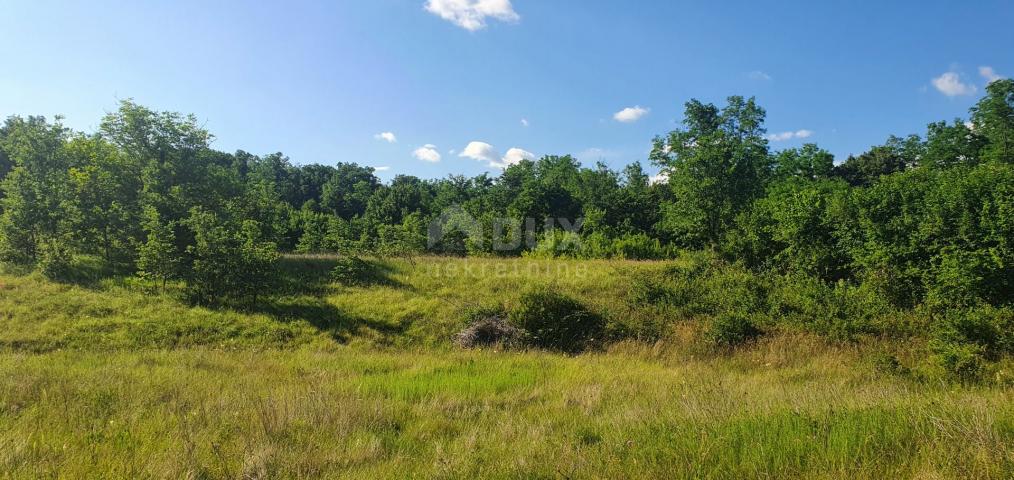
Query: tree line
x=926 y=219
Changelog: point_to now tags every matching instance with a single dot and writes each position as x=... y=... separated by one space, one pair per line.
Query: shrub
x=557 y=243
x=352 y=270
x=731 y=329
x=990 y=328
x=961 y=361
x=965 y=340
x=701 y=284
x=556 y=321
x=229 y=260
x=840 y=311
x=55 y=260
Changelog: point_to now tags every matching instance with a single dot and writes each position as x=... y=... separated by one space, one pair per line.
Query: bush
x=352 y=270
x=961 y=361
x=556 y=321
x=840 y=311
x=701 y=284
x=557 y=243
x=731 y=329
x=990 y=328
x=229 y=260
x=55 y=260
x=964 y=341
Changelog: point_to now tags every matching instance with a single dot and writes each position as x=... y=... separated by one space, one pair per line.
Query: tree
x=35 y=189
x=102 y=202
x=158 y=257
x=717 y=165
x=6 y=165
x=169 y=147
x=348 y=191
x=870 y=166
x=809 y=163
x=993 y=118
x=228 y=259
x=951 y=145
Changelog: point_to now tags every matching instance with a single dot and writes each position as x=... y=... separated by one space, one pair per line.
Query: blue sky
x=321 y=80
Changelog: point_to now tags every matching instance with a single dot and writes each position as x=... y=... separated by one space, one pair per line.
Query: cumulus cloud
x=514 y=156
x=480 y=151
x=989 y=74
x=472 y=14
x=486 y=153
x=381 y=169
x=950 y=84
x=758 y=75
x=524 y=122
x=631 y=114
x=427 y=153
x=386 y=136
x=783 y=136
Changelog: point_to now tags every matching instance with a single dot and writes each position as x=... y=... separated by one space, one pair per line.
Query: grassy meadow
x=110 y=377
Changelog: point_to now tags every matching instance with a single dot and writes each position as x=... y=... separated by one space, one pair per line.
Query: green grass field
x=108 y=377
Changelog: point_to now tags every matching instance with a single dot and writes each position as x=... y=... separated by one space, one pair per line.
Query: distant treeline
x=926 y=219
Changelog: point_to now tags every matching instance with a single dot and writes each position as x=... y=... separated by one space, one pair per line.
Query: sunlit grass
x=113 y=380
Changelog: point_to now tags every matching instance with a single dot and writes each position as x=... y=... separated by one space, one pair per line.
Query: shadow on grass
x=322 y=315
x=303 y=283
x=87 y=272
x=311 y=274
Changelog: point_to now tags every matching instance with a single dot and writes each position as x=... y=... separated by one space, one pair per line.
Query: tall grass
x=109 y=378
x=364 y=414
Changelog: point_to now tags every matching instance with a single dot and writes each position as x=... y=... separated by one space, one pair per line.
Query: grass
x=107 y=380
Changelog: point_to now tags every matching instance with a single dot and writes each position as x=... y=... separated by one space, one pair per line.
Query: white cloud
x=387 y=137
x=783 y=136
x=381 y=169
x=486 y=153
x=514 y=156
x=950 y=84
x=631 y=114
x=989 y=74
x=524 y=122
x=480 y=151
x=427 y=153
x=759 y=75
x=472 y=14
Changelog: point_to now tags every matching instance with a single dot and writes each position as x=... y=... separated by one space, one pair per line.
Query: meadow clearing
x=109 y=377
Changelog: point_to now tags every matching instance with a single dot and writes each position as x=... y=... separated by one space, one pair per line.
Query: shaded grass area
x=355 y=413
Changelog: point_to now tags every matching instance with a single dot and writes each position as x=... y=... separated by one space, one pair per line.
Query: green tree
x=717 y=165
x=951 y=145
x=229 y=260
x=809 y=163
x=35 y=189
x=158 y=258
x=102 y=204
x=348 y=191
x=993 y=118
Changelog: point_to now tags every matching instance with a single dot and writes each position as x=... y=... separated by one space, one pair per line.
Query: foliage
x=731 y=329
x=556 y=321
x=717 y=165
x=352 y=271
x=228 y=260
x=55 y=259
